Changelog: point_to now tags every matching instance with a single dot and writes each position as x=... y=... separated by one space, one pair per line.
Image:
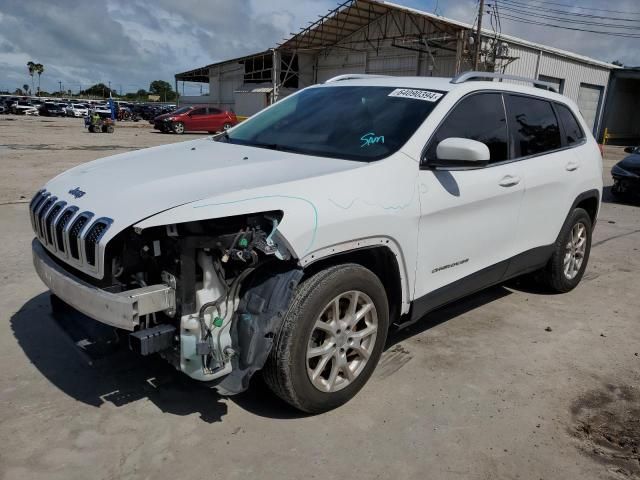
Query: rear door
x=550 y=168
x=214 y=119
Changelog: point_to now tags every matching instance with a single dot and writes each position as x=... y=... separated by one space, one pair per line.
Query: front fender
x=298 y=226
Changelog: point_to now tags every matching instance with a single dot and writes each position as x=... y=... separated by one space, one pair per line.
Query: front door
x=469 y=215
x=196 y=119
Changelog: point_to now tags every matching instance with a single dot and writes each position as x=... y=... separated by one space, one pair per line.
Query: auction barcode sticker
x=425 y=95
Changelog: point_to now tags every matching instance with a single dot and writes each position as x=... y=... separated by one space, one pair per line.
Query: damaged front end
x=233 y=279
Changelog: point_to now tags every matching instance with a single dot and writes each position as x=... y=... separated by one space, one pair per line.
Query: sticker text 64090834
x=425 y=95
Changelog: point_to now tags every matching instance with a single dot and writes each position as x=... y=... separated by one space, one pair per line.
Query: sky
x=133 y=42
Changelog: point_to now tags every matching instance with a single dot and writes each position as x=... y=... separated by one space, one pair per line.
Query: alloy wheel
x=341 y=341
x=575 y=251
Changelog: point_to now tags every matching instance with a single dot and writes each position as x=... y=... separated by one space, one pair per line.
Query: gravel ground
x=509 y=383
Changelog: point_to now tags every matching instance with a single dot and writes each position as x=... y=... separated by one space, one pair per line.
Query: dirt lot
x=510 y=383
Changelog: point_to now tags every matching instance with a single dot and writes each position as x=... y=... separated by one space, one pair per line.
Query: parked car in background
x=50 y=109
x=200 y=118
x=31 y=111
x=626 y=174
x=159 y=122
x=103 y=110
x=3 y=109
x=76 y=110
x=20 y=106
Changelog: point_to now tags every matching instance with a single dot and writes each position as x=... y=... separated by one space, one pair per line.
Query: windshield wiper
x=222 y=136
x=270 y=146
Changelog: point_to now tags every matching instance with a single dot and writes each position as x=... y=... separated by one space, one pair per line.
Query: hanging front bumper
x=121 y=310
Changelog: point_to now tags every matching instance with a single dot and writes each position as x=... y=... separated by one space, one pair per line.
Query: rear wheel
x=571 y=253
x=178 y=128
x=226 y=126
x=331 y=339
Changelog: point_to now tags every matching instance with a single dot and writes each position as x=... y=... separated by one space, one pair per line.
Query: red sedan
x=198 y=118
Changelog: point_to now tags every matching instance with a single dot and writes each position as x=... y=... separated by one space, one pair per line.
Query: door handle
x=571 y=166
x=509 y=181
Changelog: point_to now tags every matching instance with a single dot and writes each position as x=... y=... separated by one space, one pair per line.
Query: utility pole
x=59 y=86
x=476 y=57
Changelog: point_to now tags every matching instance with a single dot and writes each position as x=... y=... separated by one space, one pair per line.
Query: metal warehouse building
x=378 y=37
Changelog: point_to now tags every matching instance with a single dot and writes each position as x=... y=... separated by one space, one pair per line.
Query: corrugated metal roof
x=352 y=15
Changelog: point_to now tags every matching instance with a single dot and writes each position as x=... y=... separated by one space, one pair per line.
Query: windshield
x=354 y=123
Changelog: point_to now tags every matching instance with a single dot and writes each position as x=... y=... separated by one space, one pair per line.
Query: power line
x=568 y=20
x=545 y=24
x=586 y=8
x=515 y=4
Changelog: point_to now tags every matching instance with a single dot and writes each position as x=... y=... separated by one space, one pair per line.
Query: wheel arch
x=381 y=255
x=588 y=201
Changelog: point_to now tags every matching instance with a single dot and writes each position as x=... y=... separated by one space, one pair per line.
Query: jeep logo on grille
x=76 y=192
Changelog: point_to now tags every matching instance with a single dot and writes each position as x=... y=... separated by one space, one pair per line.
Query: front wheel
x=571 y=253
x=178 y=128
x=331 y=339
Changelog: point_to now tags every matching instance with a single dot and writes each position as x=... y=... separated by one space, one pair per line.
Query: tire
x=288 y=369
x=226 y=127
x=555 y=275
x=110 y=129
x=178 y=128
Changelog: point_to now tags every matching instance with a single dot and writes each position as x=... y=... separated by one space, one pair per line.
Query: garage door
x=589 y=102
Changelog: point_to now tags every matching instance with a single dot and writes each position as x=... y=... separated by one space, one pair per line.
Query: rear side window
x=214 y=111
x=533 y=124
x=478 y=117
x=573 y=132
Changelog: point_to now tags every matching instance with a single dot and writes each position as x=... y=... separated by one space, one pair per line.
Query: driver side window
x=478 y=117
x=199 y=111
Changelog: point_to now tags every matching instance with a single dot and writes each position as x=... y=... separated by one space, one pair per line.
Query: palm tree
x=32 y=70
x=25 y=88
x=39 y=69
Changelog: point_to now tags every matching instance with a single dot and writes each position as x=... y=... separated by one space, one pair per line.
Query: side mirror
x=456 y=151
x=629 y=149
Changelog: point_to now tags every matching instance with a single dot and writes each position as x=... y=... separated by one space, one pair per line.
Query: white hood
x=132 y=186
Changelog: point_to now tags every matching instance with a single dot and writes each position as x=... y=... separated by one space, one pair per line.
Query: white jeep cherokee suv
x=295 y=241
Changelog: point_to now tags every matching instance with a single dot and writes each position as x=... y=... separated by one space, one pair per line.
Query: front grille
x=67 y=232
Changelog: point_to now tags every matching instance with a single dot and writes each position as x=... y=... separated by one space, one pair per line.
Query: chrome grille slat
x=73 y=234
x=59 y=226
x=49 y=220
x=67 y=232
x=36 y=211
x=92 y=238
x=47 y=205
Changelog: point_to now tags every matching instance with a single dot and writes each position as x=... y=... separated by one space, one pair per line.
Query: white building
x=379 y=37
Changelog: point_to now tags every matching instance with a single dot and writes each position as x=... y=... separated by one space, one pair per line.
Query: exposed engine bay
x=233 y=279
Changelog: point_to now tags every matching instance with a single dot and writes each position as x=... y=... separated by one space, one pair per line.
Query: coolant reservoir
x=212 y=287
